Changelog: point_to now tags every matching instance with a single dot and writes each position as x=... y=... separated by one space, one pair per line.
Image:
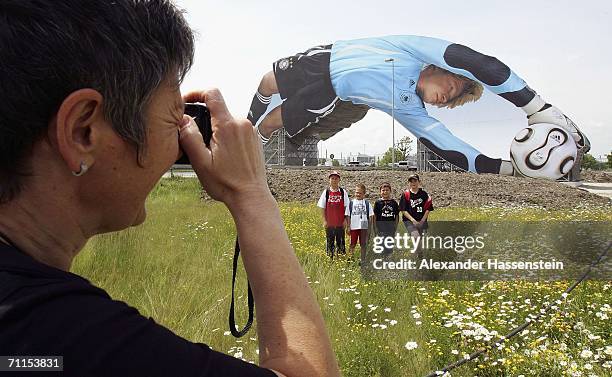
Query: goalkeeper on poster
x=328 y=88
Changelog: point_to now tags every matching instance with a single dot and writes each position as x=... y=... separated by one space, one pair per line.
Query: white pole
x=393 y=106
x=392 y=110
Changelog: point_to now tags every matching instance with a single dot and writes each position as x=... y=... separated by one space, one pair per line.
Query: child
x=386 y=211
x=415 y=205
x=332 y=202
x=359 y=216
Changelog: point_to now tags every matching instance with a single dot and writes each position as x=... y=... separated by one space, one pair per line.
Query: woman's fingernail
x=186 y=120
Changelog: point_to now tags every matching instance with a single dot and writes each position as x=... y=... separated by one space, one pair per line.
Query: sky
x=560 y=48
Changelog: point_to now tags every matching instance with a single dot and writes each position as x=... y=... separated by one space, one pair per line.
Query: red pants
x=361 y=235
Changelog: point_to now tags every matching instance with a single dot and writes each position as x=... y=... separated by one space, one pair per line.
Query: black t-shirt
x=386 y=210
x=419 y=203
x=49 y=312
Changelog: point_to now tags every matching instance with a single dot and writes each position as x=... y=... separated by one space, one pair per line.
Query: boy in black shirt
x=415 y=205
x=386 y=215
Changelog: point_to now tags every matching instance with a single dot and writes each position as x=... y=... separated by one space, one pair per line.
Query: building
x=363 y=159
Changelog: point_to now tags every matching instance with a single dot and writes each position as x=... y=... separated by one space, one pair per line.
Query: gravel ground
x=597 y=176
x=447 y=189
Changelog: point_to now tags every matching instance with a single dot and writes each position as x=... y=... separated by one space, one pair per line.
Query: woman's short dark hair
x=49 y=48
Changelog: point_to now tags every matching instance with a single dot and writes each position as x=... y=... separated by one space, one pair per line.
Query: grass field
x=176 y=268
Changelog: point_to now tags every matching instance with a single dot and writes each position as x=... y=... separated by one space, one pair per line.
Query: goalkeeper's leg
x=261 y=99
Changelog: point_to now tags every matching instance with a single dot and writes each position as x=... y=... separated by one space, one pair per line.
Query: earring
x=82 y=170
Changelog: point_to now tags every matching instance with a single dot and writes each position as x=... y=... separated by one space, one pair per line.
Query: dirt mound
x=447 y=189
x=596 y=176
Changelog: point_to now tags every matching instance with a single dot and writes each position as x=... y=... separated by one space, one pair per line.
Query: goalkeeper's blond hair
x=472 y=90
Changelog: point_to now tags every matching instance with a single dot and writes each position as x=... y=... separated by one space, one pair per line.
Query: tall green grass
x=176 y=268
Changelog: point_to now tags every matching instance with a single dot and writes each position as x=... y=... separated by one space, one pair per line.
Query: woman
x=89 y=115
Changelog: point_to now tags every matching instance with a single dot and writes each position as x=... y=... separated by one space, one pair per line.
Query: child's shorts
x=360 y=235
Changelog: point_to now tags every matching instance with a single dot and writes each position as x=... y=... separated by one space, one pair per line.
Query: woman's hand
x=233 y=169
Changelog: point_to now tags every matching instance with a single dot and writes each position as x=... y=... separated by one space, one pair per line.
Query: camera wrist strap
x=251 y=301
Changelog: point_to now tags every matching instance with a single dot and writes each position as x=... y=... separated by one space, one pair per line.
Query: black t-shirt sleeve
x=395 y=208
x=378 y=209
x=402 y=203
x=99 y=336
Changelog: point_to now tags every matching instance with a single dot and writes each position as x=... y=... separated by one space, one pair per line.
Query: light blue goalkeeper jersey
x=360 y=74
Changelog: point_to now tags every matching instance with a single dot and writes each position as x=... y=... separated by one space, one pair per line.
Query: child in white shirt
x=359 y=215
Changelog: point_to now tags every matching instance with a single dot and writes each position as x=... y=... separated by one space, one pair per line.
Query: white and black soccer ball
x=543 y=150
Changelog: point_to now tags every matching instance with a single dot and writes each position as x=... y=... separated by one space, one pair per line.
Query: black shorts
x=305 y=86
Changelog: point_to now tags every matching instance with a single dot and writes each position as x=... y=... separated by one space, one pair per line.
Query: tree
x=387 y=158
x=610 y=161
x=404 y=145
x=589 y=162
x=402 y=149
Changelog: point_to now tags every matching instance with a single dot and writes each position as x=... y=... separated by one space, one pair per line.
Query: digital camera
x=200 y=114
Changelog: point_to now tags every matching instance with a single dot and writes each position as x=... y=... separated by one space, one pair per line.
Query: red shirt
x=334 y=209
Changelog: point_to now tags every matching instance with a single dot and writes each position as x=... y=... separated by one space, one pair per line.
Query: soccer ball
x=543 y=150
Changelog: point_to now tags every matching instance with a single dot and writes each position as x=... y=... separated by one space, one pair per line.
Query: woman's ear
x=77 y=127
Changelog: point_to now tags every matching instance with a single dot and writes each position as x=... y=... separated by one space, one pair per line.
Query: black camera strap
x=232 y=321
